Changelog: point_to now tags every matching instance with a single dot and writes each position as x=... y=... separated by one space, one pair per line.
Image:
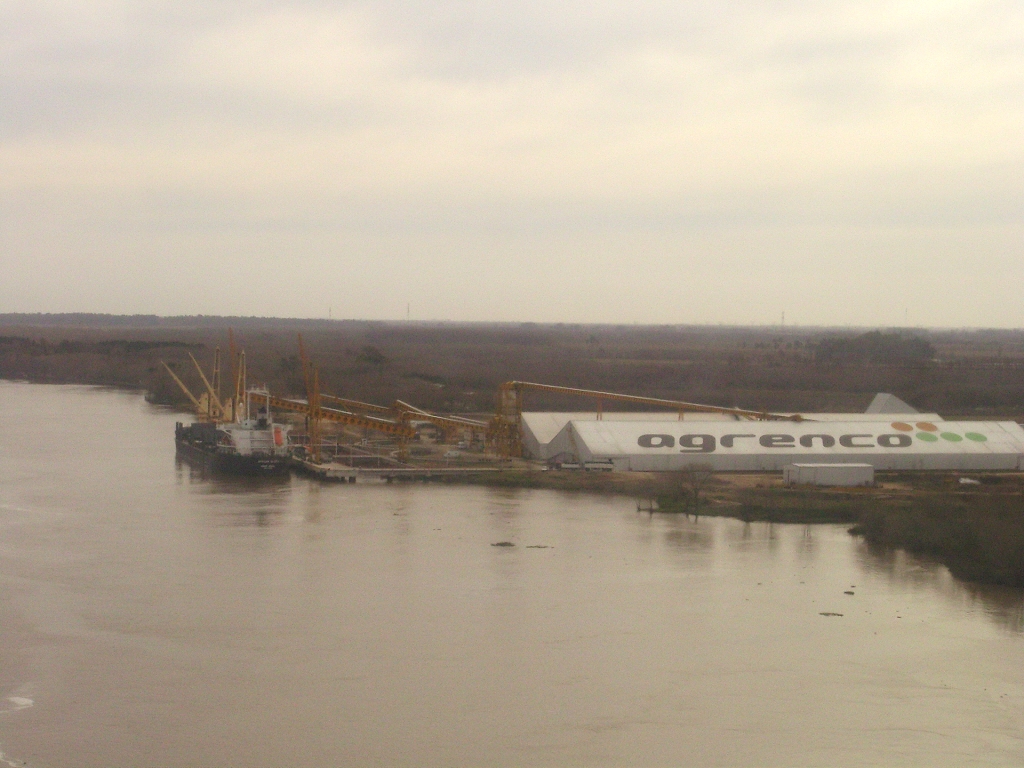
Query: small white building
x=828 y=474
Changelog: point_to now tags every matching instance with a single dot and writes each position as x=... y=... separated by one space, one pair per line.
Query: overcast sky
x=675 y=161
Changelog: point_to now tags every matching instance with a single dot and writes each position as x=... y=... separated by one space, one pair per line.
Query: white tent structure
x=914 y=444
x=886 y=403
x=539 y=430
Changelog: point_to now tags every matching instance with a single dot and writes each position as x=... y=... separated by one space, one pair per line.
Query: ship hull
x=233 y=463
x=198 y=444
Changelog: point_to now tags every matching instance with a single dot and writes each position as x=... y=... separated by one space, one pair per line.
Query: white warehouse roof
x=540 y=428
x=914 y=444
x=886 y=403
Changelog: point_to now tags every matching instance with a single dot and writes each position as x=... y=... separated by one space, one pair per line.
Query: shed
x=828 y=474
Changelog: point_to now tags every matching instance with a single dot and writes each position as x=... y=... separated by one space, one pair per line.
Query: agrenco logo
x=901 y=438
x=929 y=433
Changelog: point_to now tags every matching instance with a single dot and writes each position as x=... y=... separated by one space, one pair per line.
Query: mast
x=240 y=385
x=233 y=360
x=216 y=380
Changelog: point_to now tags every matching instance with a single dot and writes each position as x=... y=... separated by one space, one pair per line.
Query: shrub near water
x=791 y=505
x=980 y=538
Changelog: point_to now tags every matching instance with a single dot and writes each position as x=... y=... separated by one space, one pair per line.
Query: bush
x=980 y=538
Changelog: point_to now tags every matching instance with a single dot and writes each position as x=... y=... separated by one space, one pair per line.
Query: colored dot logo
x=929 y=433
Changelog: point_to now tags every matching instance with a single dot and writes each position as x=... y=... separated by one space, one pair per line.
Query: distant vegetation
x=876 y=348
x=458 y=367
x=107 y=347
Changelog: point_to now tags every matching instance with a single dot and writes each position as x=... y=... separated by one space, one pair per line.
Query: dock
x=343 y=473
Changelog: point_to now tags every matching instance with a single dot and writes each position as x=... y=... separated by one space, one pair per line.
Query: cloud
x=473 y=117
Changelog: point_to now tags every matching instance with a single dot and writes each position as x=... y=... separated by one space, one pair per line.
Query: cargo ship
x=247 y=447
x=226 y=436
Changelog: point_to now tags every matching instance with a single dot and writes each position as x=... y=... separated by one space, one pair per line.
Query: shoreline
x=976 y=531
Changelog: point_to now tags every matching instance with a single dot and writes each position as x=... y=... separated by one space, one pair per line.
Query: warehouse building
x=768 y=446
x=889 y=436
x=540 y=429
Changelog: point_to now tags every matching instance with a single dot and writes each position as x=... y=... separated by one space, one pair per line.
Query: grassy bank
x=724 y=497
x=777 y=505
x=978 y=533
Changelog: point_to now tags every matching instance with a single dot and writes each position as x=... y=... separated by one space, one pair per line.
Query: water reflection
x=1003 y=605
x=237 y=500
x=806 y=544
x=691 y=535
x=687 y=536
x=743 y=532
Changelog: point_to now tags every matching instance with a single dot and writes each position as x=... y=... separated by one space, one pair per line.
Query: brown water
x=151 y=616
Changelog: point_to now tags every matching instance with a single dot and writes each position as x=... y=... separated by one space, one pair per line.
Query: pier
x=344 y=473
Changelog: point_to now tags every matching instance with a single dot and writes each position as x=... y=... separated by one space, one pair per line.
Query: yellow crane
x=356 y=405
x=208 y=406
x=392 y=419
x=188 y=393
x=237 y=358
x=212 y=405
x=314 y=413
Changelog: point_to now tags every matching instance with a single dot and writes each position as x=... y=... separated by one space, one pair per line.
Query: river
x=151 y=615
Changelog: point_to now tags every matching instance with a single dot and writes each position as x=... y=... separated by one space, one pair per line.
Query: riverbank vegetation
x=979 y=538
x=976 y=530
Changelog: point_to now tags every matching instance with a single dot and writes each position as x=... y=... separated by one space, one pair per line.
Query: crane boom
x=680 y=405
x=181 y=384
x=445 y=422
x=356 y=405
x=505 y=429
x=211 y=392
x=335 y=415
